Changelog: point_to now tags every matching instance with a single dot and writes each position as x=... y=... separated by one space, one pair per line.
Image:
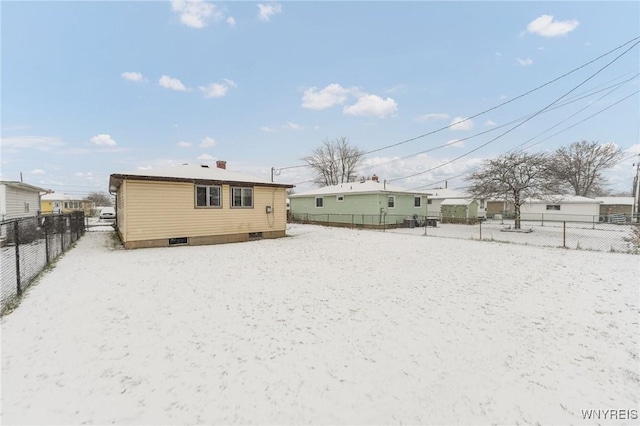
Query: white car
x=108 y=213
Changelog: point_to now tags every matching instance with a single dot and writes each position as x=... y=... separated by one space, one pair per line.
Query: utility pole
x=636 y=193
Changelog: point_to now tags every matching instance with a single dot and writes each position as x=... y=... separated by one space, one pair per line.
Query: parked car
x=108 y=213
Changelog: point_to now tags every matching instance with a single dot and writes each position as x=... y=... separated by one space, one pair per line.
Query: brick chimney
x=221 y=164
x=374 y=178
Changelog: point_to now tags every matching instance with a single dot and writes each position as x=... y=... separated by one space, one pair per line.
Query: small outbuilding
x=195 y=204
x=459 y=210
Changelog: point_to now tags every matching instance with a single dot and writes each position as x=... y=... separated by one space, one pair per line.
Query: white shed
x=18 y=200
x=572 y=208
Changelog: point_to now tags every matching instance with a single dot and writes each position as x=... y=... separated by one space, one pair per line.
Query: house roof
x=619 y=201
x=444 y=193
x=191 y=173
x=563 y=199
x=21 y=185
x=456 y=202
x=367 y=187
x=60 y=196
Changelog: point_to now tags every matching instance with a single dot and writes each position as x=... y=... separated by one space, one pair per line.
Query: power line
x=489 y=109
x=523 y=122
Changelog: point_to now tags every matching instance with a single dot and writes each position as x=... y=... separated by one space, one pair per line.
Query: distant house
x=59 y=202
x=611 y=208
x=562 y=207
x=18 y=200
x=455 y=210
x=370 y=204
x=438 y=195
x=195 y=204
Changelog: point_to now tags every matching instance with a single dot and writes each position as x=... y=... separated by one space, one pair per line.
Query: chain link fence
x=28 y=245
x=621 y=234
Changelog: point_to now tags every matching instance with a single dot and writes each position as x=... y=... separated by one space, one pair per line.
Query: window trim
x=321 y=202
x=207 y=196
x=242 y=195
x=389 y=198
x=419 y=199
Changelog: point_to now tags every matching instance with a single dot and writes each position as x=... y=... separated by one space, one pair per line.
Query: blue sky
x=94 y=88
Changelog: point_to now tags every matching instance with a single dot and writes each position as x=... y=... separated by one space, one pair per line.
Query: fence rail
x=28 y=245
x=584 y=232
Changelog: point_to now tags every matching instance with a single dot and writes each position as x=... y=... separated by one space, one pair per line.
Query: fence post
x=542 y=214
x=62 y=234
x=564 y=234
x=480 y=222
x=16 y=238
x=352 y=221
x=46 y=238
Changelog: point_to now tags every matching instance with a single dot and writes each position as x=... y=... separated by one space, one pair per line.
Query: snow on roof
x=366 y=187
x=564 y=199
x=622 y=201
x=444 y=193
x=197 y=171
x=60 y=196
x=21 y=185
x=456 y=202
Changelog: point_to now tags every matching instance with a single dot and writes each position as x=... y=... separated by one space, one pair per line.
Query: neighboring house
x=459 y=210
x=196 y=204
x=18 y=200
x=438 y=195
x=572 y=208
x=611 y=208
x=369 y=204
x=59 y=202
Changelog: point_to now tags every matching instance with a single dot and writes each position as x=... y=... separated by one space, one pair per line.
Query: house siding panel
x=14 y=203
x=163 y=210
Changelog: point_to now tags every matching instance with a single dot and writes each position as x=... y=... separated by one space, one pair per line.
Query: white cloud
x=171 y=83
x=292 y=126
x=432 y=116
x=43 y=143
x=524 y=62
x=333 y=94
x=231 y=21
x=545 y=26
x=184 y=144
x=217 y=90
x=103 y=140
x=133 y=76
x=465 y=125
x=267 y=129
x=194 y=13
x=144 y=167
x=37 y=172
x=490 y=123
x=206 y=157
x=207 y=142
x=372 y=105
x=88 y=175
x=498 y=54
x=266 y=11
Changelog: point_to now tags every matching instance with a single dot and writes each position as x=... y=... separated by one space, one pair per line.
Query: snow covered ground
x=328 y=326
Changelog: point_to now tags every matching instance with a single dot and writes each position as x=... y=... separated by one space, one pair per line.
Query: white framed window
x=553 y=206
x=319 y=202
x=208 y=196
x=391 y=201
x=417 y=201
x=241 y=197
x=339 y=198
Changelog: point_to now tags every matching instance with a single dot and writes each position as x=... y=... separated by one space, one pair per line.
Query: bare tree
x=334 y=162
x=99 y=198
x=513 y=178
x=579 y=166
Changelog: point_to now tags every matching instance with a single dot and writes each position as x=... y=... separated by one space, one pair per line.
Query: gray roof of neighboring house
x=367 y=187
x=456 y=202
x=444 y=193
x=21 y=185
x=192 y=173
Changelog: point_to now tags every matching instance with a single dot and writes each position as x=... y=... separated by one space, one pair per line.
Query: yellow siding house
x=195 y=204
x=58 y=202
